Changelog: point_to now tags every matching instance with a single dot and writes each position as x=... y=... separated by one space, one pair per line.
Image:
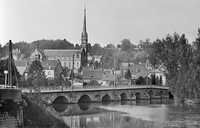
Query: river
x=128 y=114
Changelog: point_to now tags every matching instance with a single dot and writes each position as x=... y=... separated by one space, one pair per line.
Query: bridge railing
x=61 y=88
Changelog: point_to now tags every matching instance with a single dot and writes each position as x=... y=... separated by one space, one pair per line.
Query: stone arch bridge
x=103 y=94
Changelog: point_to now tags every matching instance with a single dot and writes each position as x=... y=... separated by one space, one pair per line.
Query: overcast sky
x=108 y=21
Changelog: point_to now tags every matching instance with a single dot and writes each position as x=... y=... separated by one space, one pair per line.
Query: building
x=84 y=43
x=70 y=59
x=159 y=73
x=52 y=69
x=95 y=58
x=137 y=70
x=144 y=70
x=103 y=77
x=37 y=54
x=21 y=66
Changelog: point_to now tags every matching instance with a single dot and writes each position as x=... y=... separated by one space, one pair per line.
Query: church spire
x=84 y=22
x=84 y=42
x=84 y=35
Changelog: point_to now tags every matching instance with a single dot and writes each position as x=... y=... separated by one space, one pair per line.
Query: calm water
x=129 y=115
x=113 y=115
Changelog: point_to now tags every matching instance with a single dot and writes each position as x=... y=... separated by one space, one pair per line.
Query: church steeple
x=84 y=42
x=84 y=35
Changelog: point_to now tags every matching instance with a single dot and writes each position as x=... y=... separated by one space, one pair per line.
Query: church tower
x=84 y=42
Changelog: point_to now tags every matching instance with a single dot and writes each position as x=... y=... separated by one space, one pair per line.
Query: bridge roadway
x=99 y=94
x=93 y=88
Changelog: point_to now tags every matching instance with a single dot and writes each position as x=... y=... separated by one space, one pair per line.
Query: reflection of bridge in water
x=102 y=94
x=11 y=114
x=96 y=115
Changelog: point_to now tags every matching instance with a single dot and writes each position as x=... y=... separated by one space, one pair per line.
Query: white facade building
x=68 y=58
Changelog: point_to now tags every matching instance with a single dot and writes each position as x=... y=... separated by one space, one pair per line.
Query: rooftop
x=60 y=52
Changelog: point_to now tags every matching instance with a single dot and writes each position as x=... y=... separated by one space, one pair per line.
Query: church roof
x=20 y=63
x=49 y=64
x=60 y=52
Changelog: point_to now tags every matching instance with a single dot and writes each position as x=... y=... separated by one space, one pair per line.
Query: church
x=70 y=58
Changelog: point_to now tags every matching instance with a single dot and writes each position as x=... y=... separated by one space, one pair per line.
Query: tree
x=77 y=46
x=36 y=76
x=145 y=44
x=176 y=54
x=140 y=81
x=128 y=74
x=126 y=45
x=96 y=49
x=110 y=46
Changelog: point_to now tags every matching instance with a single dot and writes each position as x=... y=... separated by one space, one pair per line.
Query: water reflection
x=11 y=115
x=60 y=107
x=126 y=114
x=158 y=114
x=84 y=106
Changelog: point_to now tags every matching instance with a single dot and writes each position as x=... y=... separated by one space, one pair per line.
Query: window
x=69 y=64
x=77 y=55
x=77 y=64
x=65 y=64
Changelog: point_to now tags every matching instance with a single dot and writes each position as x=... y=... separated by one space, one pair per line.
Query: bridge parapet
x=94 y=94
x=90 y=88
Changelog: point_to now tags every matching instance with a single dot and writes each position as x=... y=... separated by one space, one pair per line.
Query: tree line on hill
x=110 y=52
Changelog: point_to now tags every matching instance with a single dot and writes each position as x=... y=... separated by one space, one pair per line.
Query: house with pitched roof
x=68 y=58
x=143 y=70
x=52 y=68
x=21 y=66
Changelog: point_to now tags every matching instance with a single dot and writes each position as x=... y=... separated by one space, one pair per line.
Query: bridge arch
x=60 y=100
x=106 y=98
x=84 y=99
x=123 y=96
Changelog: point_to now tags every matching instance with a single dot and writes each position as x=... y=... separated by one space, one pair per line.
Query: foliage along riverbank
x=36 y=116
x=182 y=61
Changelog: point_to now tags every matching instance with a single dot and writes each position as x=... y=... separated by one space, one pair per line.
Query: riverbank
x=35 y=116
x=187 y=101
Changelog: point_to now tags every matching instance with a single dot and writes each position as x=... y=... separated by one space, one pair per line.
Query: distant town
x=59 y=63
x=56 y=83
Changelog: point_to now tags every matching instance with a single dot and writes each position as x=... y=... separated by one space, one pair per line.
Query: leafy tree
x=53 y=44
x=96 y=49
x=36 y=76
x=145 y=44
x=77 y=46
x=176 y=54
x=110 y=46
x=128 y=74
x=140 y=81
x=126 y=45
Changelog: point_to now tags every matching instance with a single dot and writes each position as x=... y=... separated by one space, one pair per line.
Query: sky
x=108 y=21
